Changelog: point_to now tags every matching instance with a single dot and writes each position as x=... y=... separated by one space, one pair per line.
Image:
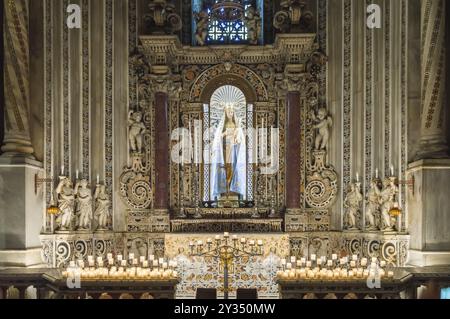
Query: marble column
x=162 y=151
x=20 y=206
x=429 y=221
x=433 y=141
x=293 y=151
x=17 y=141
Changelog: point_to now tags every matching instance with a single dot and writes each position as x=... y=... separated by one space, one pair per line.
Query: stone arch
x=237 y=75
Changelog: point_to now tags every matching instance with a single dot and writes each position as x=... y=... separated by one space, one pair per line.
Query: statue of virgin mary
x=228 y=157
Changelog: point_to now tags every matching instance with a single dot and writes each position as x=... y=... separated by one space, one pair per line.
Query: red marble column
x=162 y=151
x=293 y=151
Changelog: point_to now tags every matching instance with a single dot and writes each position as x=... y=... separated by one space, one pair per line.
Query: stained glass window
x=224 y=31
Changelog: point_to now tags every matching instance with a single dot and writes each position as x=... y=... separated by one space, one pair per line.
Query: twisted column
x=17 y=139
x=433 y=142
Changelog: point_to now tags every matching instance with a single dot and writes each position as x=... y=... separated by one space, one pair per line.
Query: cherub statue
x=202 y=19
x=84 y=204
x=352 y=204
x=373 y=206
x=253 y=22
x=323 y=123
x=102 y=213
x=66 y=203
x=388 y=194
x=136 y=131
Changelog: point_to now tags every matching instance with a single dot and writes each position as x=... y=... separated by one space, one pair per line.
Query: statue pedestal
x=21 y=212
x=429 y=218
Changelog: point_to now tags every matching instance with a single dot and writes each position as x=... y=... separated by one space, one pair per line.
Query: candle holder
x=226 y=249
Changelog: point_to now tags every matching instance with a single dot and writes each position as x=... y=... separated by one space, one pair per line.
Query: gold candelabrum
x=333 y=269
x=120 y=269
x=226 y=249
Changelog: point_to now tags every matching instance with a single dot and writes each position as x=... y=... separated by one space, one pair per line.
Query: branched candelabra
x=226 y=249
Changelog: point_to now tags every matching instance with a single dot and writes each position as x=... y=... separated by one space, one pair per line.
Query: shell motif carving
x=322 y=184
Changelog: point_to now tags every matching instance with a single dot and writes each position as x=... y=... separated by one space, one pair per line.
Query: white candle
x=119 y=257
x=142 y=259
x=77 y=174
x=98 y=179
x=357 y=177
x=152 y=257
x=260 y=242
x=243 y=240
x=334 y=257
x=226 y=235
x=392 y=171
x=131 y=256
x=376 y=173
x=355 y=257
x=109 y=256
x=313 y=257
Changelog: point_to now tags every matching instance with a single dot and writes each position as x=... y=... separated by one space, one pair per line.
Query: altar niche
x=228 y=149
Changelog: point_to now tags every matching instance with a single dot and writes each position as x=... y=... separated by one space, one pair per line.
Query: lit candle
x=313 y=257
x=131 y=256
x=123 y=263
x=252 y=243
x=293 y=259
x=392 y=171
x=235 y=237
x=376 y=173
x=142 y=259
x=77 y=174
x=330 y=263
x=200 y=243
x=243 y=240
x=109 y=256
x=217 y=237
x=226 y=234
x=260 y=243
x=355 y=257
x=62 y=170
x=334 y=257
x=119 y=257
x=357 y=177
x=152 y=257
x=308 y=264
x=98 y=179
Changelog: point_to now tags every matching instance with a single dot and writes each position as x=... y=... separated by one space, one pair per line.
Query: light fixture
x=52 y=209
x=228 y=10
x=395 y=210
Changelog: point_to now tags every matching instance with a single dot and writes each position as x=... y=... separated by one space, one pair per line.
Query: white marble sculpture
x=136 y=131
x=352 y=204
x=84 y=204
x=66 y=204
x=388 y=194
x=373 y=206
x=202 y=20
x=253 y=24
x=323 y=123
x=102 y=212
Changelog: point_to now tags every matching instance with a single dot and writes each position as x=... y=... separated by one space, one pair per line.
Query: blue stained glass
x=445 y=293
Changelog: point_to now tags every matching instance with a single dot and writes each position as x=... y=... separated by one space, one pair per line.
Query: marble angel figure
x=102 y=212
x=84 y=204
x=228 y=157
x=136 y=131
x=202 y=20
x=352 y=204
x=373 y=206
x=323 y=123
x=388 y=194
x=66 y=204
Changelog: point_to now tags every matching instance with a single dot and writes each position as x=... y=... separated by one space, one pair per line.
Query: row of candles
x=226 y=236
x=77 y=174
x=333 y=269
x=122 y=269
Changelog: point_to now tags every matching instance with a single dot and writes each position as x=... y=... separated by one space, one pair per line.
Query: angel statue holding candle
x=84 y=204
x=388 y=194
x=102 y=213
x=66 y=203
x=352 y=205
x=373 y=206
x=228 y=157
